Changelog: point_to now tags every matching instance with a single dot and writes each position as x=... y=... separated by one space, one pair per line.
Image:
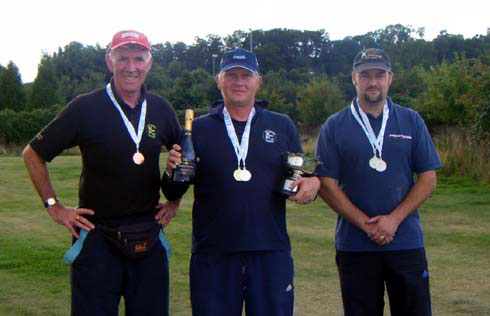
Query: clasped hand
x=381 y=229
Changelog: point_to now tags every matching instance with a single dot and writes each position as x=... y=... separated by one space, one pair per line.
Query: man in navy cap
x=241 y=253
x=370 y=152
x=119 y=247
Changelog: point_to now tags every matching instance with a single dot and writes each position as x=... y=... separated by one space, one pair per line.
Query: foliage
x=20 y=127
x=444 y=99
x=456 y=93
x=318 y=100
x=406 y=85
x=280 y=91
x=12 y=95
x=192 y=90
x=447 y=79
x=45 y=88
x=463 y=155
x=482 y=124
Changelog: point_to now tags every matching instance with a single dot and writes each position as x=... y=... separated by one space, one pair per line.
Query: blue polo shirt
x=345 y=152
x=232 y=216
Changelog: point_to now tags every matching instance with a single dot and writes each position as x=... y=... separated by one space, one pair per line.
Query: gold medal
x=138 y=158
x=237 y=174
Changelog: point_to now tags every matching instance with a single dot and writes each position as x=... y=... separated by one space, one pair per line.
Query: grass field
x=35 y=281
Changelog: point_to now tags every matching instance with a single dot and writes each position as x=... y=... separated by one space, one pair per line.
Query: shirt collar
x=123 y=104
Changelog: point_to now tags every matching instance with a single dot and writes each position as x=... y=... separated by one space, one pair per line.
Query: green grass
x=35 y=281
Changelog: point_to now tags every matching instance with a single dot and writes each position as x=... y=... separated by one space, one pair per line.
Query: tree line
x=306 y=75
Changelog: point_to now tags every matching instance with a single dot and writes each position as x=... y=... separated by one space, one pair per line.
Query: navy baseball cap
x=240 y=58
x=371 y=58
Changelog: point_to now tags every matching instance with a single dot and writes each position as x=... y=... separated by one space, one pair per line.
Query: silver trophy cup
x=296 y=165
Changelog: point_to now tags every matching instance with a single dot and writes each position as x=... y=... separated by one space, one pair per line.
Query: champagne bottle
x=186 y=169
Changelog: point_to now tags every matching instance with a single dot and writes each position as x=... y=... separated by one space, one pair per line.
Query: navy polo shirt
x=234 y=216
x=345 y=152
x=110 y=182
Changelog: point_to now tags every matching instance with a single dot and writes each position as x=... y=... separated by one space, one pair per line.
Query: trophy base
x=285 y=188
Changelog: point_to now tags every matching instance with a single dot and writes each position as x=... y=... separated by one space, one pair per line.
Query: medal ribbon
x=135 y=136
x=241 y=150
x=376 y=142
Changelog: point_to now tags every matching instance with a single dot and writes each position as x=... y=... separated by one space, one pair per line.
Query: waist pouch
x=132 y=240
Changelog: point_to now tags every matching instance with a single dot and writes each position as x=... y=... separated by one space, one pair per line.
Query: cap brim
x=238 y=66
x=366 y=66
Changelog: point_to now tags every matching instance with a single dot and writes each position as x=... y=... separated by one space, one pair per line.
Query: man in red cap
x=119 y=247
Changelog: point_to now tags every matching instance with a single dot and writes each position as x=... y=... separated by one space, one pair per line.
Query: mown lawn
x=35 y=281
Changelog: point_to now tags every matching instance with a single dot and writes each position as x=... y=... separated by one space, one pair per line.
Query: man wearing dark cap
x=370 y=152
x=241 y=253
x=119 y=248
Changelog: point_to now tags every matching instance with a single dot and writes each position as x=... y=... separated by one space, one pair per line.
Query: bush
x=18 y=128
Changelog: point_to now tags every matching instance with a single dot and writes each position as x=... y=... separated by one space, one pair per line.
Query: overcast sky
x=29 y=28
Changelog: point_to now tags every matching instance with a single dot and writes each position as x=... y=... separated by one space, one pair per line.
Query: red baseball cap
x=129 y=37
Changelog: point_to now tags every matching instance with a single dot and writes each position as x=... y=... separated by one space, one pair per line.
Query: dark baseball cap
x=240 y=58
x=371 y=58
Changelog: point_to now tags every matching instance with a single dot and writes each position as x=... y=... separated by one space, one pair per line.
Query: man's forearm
x=423 y=187
x=340 y=203
x=38 y=172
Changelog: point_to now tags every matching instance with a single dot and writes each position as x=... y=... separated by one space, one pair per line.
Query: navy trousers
x=222 y=284
x=100 y=275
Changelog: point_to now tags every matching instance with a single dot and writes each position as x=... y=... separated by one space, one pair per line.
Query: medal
x=245 y=175
x=380 y=165
x=237 y=174
x=373 y=162
x=241 y=148
x=138 y=158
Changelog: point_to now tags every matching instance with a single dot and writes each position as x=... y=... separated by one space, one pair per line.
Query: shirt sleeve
x=327 y=152
x=60 y=134
x=174 y=133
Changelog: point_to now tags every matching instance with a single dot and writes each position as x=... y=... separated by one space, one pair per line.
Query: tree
x=13 y=95
x=277 y=103
x=45 y=86
x=80 y=69
x=318 y=100
x=445 y=99
x=191 y=90
x=406 y=85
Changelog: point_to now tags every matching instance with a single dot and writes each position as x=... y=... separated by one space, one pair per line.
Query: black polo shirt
x=111 y=183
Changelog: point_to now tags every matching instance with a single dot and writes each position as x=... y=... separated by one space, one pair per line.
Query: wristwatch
x=51 y=201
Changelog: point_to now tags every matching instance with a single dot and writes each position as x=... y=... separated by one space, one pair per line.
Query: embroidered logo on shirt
x=151 y=130
x=289 y=288
x=269 y=136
